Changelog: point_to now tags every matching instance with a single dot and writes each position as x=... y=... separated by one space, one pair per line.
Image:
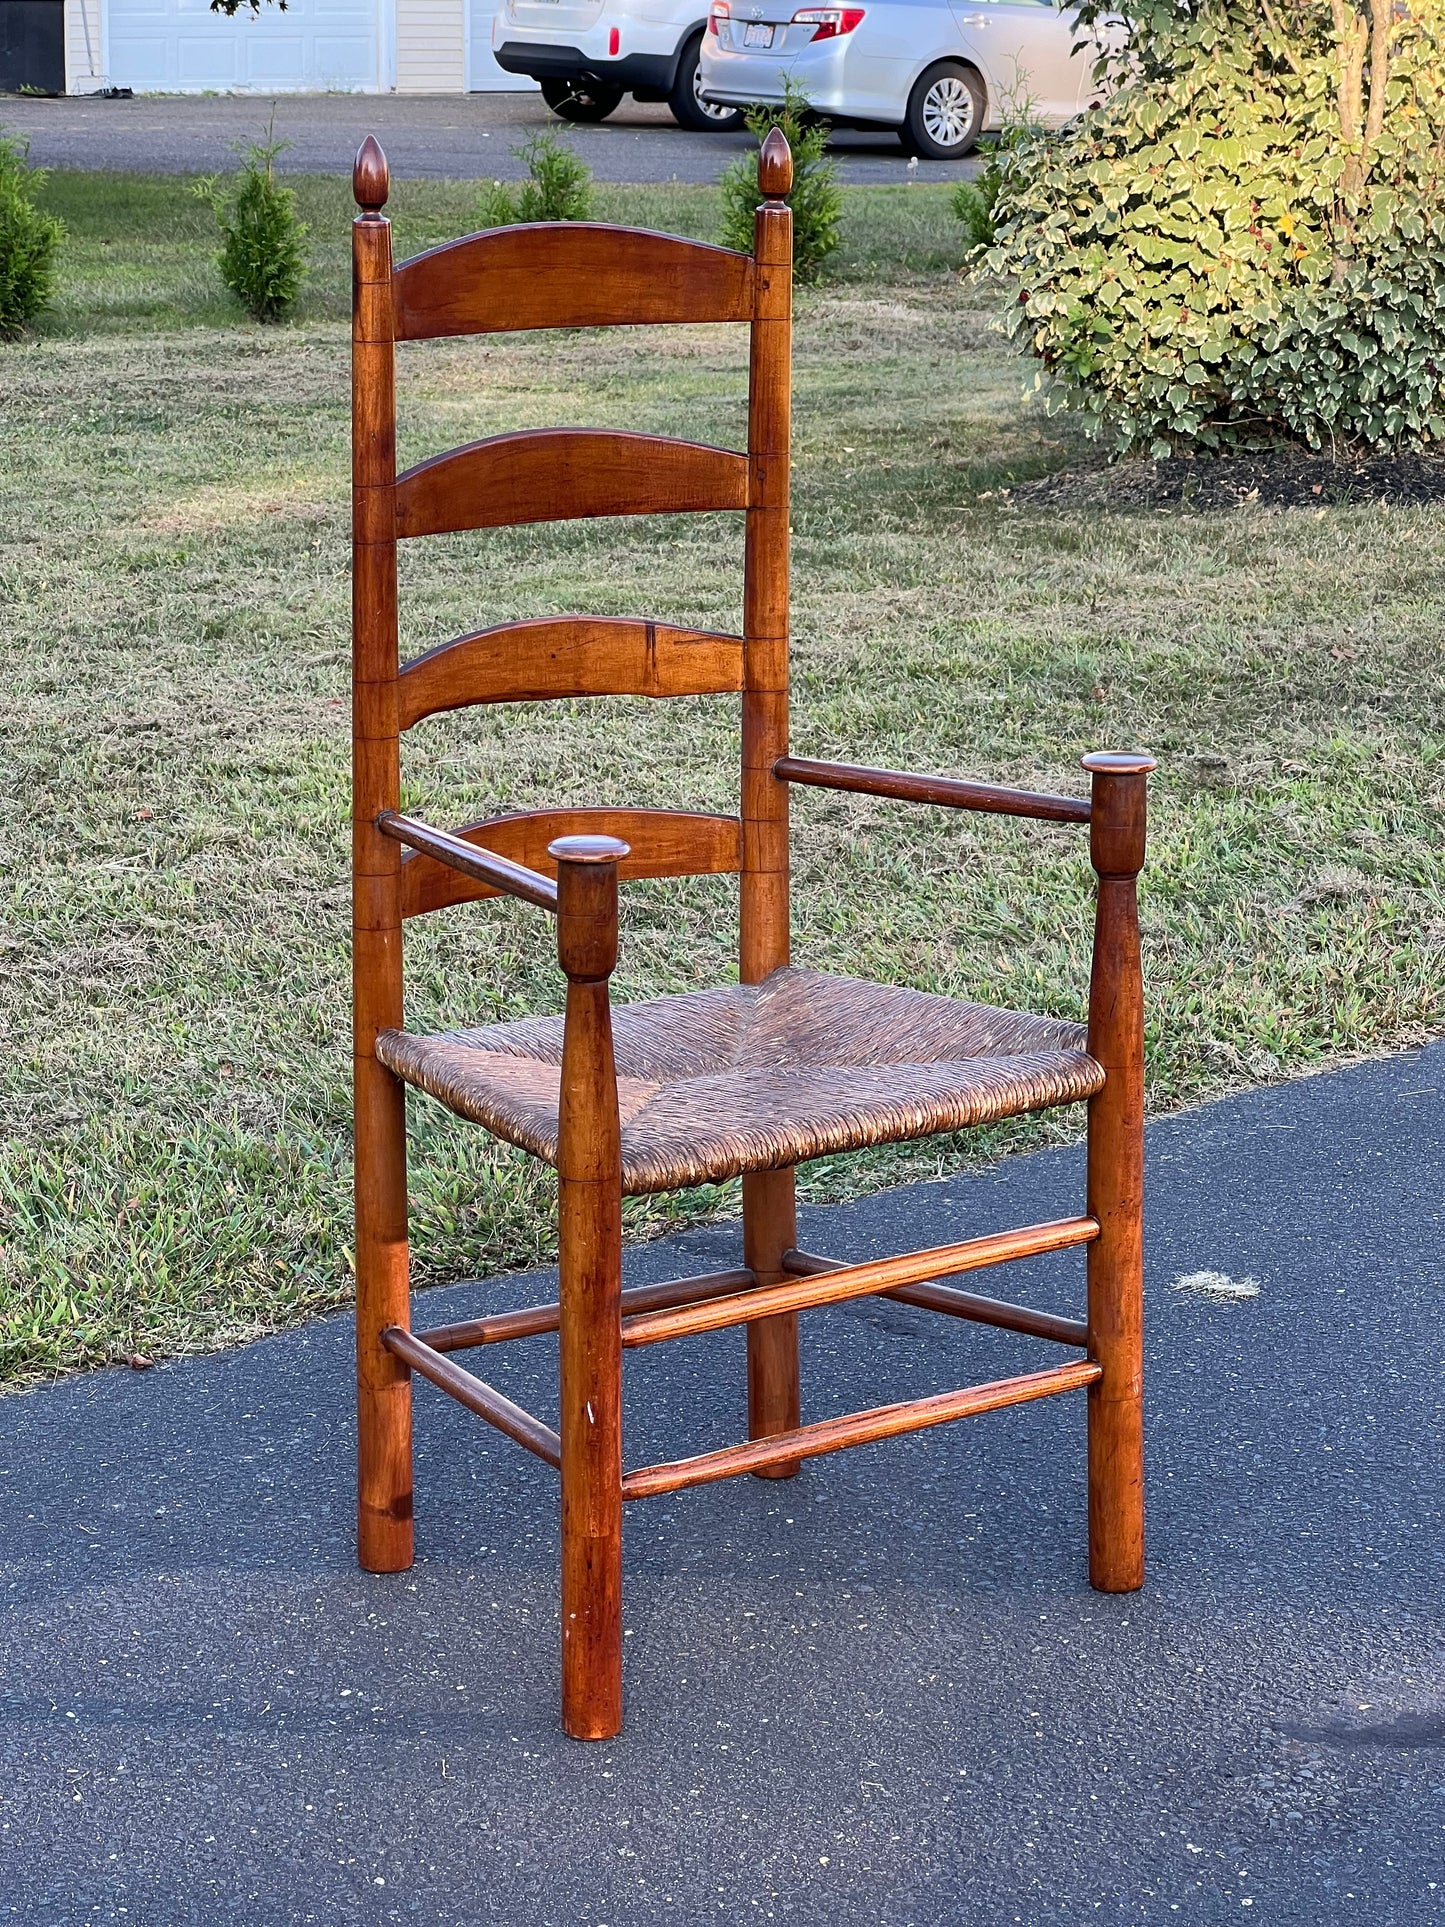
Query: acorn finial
x=775 y=167
x=370 y=178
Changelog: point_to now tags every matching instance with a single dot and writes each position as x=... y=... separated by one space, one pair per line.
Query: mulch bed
x=1271 y=478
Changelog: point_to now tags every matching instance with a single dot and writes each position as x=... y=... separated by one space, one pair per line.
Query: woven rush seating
x=756 y=1077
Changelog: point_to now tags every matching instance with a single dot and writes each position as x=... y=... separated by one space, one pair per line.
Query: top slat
x=567 y=274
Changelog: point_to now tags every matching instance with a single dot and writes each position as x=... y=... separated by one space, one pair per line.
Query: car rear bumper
x=548 y=61
x=830 y=72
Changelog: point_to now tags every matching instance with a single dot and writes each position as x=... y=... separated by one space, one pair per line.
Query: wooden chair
x=748 y=1079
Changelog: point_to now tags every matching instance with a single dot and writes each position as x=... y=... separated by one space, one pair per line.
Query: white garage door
x=181 y=47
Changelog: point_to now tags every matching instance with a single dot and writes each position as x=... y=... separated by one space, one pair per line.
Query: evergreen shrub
x=263 y=256
x=816 y=199
x=29 y=241
x=558 y=187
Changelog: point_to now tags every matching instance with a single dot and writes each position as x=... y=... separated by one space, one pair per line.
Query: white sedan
x=941 y=72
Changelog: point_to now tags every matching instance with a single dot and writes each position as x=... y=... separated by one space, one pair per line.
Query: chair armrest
x=951 y=792
x=513 y=878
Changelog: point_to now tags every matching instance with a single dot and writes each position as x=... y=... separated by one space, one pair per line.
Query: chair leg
x=1116 y=1333
x=1116 y=1180
x=383 y=1383
x=591 y=1344
x=770 y=1228
x=589 y=1195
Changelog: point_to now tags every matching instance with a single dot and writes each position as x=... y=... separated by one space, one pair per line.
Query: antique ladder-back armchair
x=747 y=1080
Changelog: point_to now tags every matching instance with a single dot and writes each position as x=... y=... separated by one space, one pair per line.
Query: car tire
x=945 y=112
x=687 y=106
x=581 y=100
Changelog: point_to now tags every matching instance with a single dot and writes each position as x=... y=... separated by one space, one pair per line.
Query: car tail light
x=828 y=22
x=614 y=40
x=718 y=12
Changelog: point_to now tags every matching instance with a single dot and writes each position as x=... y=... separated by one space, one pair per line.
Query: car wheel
x=687 y=105
x=584 y=100
x=945 y=113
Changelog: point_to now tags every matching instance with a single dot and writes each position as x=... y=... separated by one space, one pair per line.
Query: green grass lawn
x=174 y=570
x=141 y=246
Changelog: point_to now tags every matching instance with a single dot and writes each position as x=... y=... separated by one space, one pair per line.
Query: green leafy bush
x=1247 y=241
x=975 y=202
x=558 y=187
x=29 y=241
x=816 y=199
x=262 y=258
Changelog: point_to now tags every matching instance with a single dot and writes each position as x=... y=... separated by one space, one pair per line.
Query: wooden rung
x=930 y=1296
x=484 y=1400
x=537 y=1319
x=860 y=1281
x=857 y=1428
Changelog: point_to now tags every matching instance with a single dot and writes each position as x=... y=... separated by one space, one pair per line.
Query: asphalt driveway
x=879 y=1695
x=430 y=136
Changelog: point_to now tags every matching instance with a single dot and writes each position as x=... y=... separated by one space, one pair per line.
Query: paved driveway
x=440 y=137
x=881 y=1695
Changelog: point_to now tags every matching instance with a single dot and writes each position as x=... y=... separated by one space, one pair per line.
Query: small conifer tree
x=558 y=187
x=262 y=258
x=29 y=241
x=816 y=199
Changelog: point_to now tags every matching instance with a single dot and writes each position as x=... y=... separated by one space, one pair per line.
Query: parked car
x=941 y=72
x=586 y=54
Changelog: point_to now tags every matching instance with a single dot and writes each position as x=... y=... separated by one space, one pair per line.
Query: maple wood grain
x=559 y=474
x=568 y=656
x=578 y=274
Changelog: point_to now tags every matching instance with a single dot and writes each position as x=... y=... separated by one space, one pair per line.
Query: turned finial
x=775 y=167
x=370 y=178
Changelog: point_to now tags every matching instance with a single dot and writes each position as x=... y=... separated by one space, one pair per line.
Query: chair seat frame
x=585 y=276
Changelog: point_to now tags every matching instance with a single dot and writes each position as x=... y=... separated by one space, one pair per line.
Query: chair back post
x=1116 y=1176
x=384 y=1383
x=763 y=904
x=769 y=1211
x=589 y=1232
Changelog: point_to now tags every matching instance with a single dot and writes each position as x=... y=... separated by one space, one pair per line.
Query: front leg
x=1116 y=1179
x=589 y=1172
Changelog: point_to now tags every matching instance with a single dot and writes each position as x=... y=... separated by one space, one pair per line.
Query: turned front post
x=589 y=1172
x=383 y=1420
x=769 y=1227
x=1116 y=1177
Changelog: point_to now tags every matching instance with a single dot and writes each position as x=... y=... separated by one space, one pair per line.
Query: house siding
x=84 y=55
x=431 y=47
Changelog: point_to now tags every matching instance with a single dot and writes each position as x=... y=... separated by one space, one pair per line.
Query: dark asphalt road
x=882 y=1694
x=435 y=137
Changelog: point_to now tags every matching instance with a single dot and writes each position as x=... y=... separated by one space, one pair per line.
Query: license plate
x=757 y=36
